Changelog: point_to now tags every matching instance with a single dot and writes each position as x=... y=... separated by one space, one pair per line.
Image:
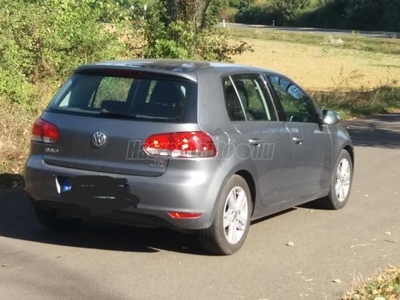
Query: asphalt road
x=370 y=34
x=114 y=262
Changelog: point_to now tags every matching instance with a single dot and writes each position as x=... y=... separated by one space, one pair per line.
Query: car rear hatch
x=102 y=117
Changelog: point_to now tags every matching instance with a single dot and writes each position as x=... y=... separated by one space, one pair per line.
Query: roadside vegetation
x=341 y=14
x=43 y=40
x=386 y=286
x=353 y=75
x=389 y=45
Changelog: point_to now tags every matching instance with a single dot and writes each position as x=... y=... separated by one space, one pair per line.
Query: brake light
x=182 y=215
x=45 y=132
x=191 y=144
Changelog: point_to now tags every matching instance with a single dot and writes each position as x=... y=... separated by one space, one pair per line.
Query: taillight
x=45 y=132
x=191 y=144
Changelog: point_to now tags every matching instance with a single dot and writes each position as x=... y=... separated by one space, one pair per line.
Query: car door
x=312 y=147
x=253 y=115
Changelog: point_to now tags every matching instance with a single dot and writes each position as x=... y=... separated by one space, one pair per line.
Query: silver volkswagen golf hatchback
x=198 y=147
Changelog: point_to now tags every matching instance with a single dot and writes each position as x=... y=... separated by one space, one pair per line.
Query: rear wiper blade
x=116 y=113
x=130 y=115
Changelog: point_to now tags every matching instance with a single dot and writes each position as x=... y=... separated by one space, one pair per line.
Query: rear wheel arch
x=251 y=184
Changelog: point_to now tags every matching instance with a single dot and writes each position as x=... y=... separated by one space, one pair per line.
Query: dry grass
x=323 y=67
x=16 y=123
x=386 y=286
x=352 y=82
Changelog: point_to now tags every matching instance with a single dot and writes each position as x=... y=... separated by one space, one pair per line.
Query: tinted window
x=144 y=98
x=247 y=99
x=297 y=106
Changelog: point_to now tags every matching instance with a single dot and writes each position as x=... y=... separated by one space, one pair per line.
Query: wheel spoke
x=228 y=219
x=337 y=188
x=232 y=199
x=345 y=167
x=241 y=201
x=231 y=232
x=347 y=178
x=339 y=172
x=342 y=193
x=241 y=224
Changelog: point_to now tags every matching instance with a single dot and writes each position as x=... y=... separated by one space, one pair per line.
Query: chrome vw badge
x=99 y=138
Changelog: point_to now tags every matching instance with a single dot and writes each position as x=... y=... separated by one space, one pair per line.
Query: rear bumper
x=193 y=189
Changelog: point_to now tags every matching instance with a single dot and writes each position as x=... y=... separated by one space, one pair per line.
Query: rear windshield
x=144 y=98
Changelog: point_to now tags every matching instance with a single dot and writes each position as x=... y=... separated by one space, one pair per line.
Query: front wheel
x=341 y=181
x=231 y=224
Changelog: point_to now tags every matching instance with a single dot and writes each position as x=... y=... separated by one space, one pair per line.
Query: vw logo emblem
x=99 y=138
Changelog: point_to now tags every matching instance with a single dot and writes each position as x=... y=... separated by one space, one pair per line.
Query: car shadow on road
x=380 y=131
x=17 y=221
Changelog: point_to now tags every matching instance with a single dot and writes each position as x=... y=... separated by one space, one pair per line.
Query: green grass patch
x=354 y=41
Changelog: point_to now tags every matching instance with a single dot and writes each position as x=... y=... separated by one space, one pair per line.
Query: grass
x=352 y=81
x=351 y=42
x=356 y=78
x=386 y=286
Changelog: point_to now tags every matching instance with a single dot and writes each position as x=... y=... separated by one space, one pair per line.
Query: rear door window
x=247 y=98
x=162 y=99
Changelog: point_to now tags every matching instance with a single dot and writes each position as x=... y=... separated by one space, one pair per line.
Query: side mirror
x=330 y=117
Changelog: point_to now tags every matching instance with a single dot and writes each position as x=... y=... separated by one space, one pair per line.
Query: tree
x=286 y=10
x=191 y=11
x=181 y=29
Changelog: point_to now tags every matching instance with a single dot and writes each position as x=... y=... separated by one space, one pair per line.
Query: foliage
x=355 y=41
x=42 y=41
x=255 y=15
x=287 y=10
x=354 y=14
x=343 y=14
x=385 y=286
x=46 y=39
x=182 y=35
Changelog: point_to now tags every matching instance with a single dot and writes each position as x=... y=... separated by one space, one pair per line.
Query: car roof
x=189 y=69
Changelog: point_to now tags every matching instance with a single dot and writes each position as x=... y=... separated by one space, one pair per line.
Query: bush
x=179 y=39
x=41 y=42
x=47 y=39
x=256 y=15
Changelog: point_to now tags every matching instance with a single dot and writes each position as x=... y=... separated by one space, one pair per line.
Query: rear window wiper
x=106 y=112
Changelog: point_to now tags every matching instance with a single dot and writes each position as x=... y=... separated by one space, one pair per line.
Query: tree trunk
x=193 y=11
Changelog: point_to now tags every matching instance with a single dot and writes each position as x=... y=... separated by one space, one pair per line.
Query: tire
x=54 y=221
x=341 y=182
x=234 y=208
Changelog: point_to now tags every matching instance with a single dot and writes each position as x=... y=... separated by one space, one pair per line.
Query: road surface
x=370 y=34
x=114 y=262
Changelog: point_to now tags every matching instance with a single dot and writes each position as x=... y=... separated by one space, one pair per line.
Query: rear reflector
x=193 y=144
x=181 y=215
x=45 y=132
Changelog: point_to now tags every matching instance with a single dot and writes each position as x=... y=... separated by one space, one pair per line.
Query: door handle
x=297 y=140
x=255 y=142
